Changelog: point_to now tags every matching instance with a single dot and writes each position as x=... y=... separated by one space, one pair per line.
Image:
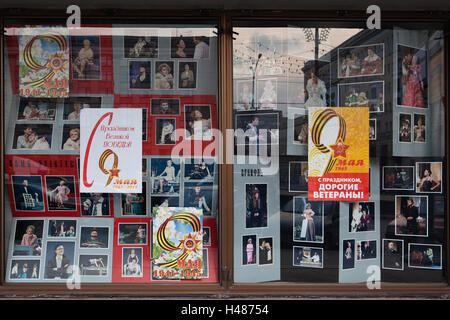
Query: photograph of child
x=248 y=250
x=308 y=220
x=28 y=237
x=61 y=193
x=28 y=194
x=411 y=215
x=256 y=206
x=85 y=55
x=36 y=109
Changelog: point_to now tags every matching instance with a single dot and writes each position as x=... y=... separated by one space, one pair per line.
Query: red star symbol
x=114 y=172
x=339 y=149
x=190 y=243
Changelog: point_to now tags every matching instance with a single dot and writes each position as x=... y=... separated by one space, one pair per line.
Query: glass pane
x=55 y=231
x=398 y=75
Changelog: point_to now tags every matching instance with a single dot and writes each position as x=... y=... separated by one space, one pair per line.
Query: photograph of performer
x=426 y=256
x=372 y=63
x=28 y=193
x=188 y=75
x=94 y=204
x=164 y=77
x=132 y=262
x=140 y=46
x=413 y=82
x=405 y=127
x=248 y=250
x=411 y=215
x=429 y=177
x=165 y=176
x=348 y=259
x=165 y=106
x=199 y=195
x=361 y=216
x=265 y=251
x=59 y=260
x=201 y=47
x=393 y=254
x=256 y=205
x=94 y=237
x=85 y=57
x=308 y=220
x=140 y=72
x=419 y=128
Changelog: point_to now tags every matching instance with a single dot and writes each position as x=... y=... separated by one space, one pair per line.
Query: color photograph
x=362 y=94
x=36 y=109
x=393 y=254
x=425 y=256
x=361 y=61
x=411 y=216
x=307 y=257
x=86 y=58
x=398 y=178
x=249 y=250
x=61 y=193
x=28 y=237
x=140 y=47
x=308 y=224
x=428 y=177
x=256 y=206
x=361 y=216
x=28 y=194
x=140 y=74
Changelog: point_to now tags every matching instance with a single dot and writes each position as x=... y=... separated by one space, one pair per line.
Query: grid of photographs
x=257 y=250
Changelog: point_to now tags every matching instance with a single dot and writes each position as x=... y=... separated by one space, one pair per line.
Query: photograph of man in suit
x=27 y=195
x=59 y=266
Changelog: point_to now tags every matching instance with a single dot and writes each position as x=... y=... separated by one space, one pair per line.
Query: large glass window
x=53 y=230
x=279 y=73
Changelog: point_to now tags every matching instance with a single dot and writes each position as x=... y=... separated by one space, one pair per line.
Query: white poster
x=111 y=150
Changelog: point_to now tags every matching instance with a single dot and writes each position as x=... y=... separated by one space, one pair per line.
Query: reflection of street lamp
x=318 y=38
x=254 y=76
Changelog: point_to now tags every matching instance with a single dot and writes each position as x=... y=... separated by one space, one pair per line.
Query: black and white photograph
x=166 y=106
x=199 y=195
x=94 y=237
x=348 y=254
x=164 y=75
x=196 y=47
x=36 y=109
x=59 y=259
x=265 y=251
x=187 y=75
x=165 y=131
x=256 y=205
x=300 y=129
x=362 y=94
x=85 y=57
x=266 y=94
x=94 y=204
x=140 y=47
x=429 y=177
x=361 y=216
x=307 y=257
x=28 y=237
x=33 y=137
x=425 y=256
x=71 y=137
x=411 y=215
x=132 y=233
x=61 y=193
x=74 y=105
x=419 y=128
x=165 y=177
x=257 y=129
x=198 y=122
x=393 y=254
x=140 y=74
x=361 y=61
x=62 y=228
x=412 y=81
x=28 y=193
x=249 y=249
x=198 y=169
x=24 y=270
x=405 y=128
x=132 y=262
x=93 y=265
x=135 y=204
x=366 y=250
x=372 y=129
x=398 y=178
x=298 y=176
x=308 y=224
